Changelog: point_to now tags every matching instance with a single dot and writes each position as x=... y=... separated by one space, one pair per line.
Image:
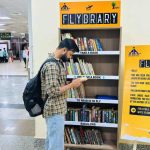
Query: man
x=53 y=83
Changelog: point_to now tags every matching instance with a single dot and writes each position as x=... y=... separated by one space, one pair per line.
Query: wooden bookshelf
x=105 y=82
x=92 y=147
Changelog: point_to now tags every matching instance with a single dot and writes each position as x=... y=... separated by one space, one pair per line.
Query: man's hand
x=77 y=82
x=74 y=84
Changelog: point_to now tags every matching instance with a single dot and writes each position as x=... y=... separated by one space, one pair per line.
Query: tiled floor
x=17 y=129
x=15 y=68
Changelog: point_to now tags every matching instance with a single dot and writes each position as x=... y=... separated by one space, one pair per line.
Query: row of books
x=77 y=93
x=83 y=136
x=84 y=43
x=79 y=68
x=95 y=114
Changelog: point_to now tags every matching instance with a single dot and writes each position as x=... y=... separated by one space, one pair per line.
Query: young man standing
x=53 y=84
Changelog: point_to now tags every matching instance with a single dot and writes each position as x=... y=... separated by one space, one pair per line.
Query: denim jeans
x=55 y=133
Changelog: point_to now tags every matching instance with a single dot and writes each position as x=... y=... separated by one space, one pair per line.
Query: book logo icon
x=133 y=110
x=89 y=7
x=134 y=52
x=114 y=5
x=65 y=7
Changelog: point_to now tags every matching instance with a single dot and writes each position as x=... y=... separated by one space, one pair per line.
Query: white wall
x=45 y=24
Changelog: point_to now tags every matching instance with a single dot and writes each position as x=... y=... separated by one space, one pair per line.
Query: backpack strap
x=51 y=60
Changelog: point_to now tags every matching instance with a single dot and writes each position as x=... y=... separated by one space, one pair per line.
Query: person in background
x=24 y=55
x=1 y=56
x=27 y=56
x=10 y=55
x=5 y=55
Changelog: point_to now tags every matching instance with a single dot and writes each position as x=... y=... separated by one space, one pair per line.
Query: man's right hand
x=76 y=83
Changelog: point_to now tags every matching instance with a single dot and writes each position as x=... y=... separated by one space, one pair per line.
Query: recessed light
x=1 y=24
x=13 y=31
x=5 y=18
x=16 y=14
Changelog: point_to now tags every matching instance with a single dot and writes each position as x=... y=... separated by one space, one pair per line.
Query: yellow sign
x=90 y=14
x=135 y=123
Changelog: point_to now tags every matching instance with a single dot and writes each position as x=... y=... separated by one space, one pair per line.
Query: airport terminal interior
x=108 y=112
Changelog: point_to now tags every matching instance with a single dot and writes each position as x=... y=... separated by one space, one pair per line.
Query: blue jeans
x=55 y=133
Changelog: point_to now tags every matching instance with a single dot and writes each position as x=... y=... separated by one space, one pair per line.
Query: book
x=79 y=68
x=93 y=114
x=84 y=43
x=81 y=135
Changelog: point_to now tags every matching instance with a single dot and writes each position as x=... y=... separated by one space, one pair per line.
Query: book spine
x=99 y=44
x=73 y=135
x=85 y=43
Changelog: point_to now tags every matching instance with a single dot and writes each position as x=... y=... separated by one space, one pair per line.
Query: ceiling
x=17 y=10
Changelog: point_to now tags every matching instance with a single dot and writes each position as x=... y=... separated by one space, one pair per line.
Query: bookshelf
x=105 y=81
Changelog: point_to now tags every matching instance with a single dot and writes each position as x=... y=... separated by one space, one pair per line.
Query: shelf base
x=92 y=147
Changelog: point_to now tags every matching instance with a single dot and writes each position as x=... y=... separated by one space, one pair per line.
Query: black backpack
x=33 y=102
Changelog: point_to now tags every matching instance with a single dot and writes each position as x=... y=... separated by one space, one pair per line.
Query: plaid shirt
x=52 y=78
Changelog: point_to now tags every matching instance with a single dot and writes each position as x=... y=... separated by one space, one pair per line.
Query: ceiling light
x=16 y=14
x=2 y=24
x=13 y=31
x=6 y=18
x=2 y=29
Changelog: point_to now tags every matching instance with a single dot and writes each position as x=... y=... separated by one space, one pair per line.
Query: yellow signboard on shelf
x=90 y=14
x=135 y=125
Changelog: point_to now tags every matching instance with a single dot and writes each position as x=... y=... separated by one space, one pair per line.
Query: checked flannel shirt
x=52 y=78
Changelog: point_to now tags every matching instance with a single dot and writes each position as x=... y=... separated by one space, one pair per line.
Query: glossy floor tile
x=15 y=68
x=11 y=89
x=12 y=106
x=7 y=113
x=17 y=127
x=16 y=142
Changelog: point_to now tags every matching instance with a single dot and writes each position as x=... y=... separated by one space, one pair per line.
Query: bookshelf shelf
x=97 y=77
x=98 y=53
x=93 y=147
x=88 y=100
x=89 y=146
x=93 y=124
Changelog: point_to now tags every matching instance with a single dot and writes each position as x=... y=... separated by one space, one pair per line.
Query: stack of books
x=95 y=114
x=84 y=43
x=77 y=93
x=83 y=136
x=79 y=68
